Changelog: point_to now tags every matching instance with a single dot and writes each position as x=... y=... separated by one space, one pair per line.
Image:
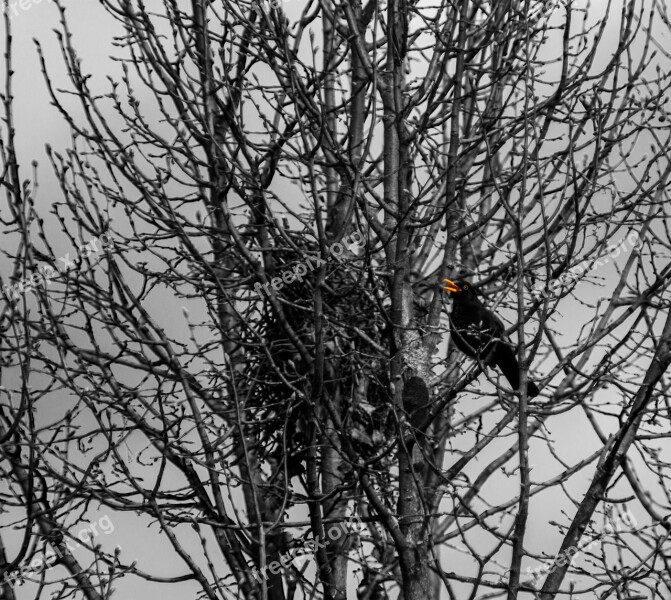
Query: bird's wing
x=491 y=321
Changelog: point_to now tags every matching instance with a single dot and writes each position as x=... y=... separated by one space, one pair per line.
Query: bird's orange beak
x=451 y=286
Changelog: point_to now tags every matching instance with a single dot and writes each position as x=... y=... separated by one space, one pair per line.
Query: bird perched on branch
x=478 y=333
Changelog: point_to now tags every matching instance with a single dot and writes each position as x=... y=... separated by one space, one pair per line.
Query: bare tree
x=231 y=323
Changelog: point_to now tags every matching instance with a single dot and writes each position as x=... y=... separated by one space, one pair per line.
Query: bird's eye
x=466 y=287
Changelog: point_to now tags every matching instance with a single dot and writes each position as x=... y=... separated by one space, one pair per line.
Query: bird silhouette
x=479 y=334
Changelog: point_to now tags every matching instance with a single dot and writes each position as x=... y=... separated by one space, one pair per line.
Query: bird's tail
x=506 y=361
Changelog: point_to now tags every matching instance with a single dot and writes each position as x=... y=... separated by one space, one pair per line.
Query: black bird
x=478 y=333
